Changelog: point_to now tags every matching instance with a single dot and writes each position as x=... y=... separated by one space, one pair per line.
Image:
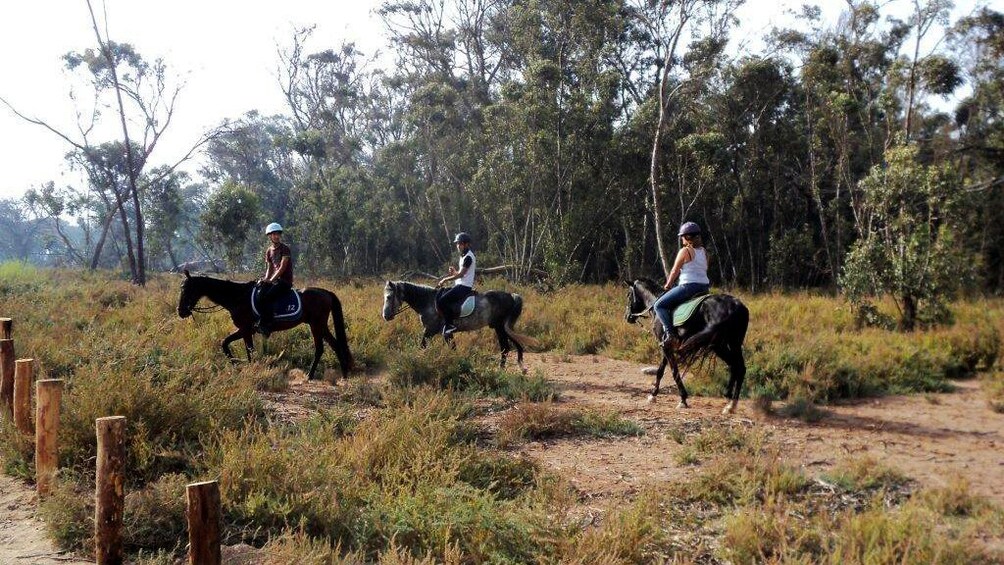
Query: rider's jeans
x=679 y=294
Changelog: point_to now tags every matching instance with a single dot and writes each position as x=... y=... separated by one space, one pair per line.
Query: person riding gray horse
x=496 y=309
x=449 y=302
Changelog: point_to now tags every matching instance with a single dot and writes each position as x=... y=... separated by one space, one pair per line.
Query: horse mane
x=649 y=285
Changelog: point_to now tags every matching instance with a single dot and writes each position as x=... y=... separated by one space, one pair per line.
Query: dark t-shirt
x=274 y=255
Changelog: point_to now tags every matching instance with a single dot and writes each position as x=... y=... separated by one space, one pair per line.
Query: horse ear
x=626 y=283
x=187 y=274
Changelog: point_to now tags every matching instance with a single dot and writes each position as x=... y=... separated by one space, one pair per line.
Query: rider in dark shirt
x=278 y=276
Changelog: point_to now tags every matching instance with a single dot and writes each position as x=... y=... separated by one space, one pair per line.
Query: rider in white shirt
x=691 y=267
x=450 y=301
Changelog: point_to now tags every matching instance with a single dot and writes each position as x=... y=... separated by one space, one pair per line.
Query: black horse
x=235 y=297
x=718 y=325
x=495 y=308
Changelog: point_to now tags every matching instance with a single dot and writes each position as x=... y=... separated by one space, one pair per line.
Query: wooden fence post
x=48 y=395
x=22 y=394
x=6 y=328
x=109 y=492
x=7 y=377
x=204 y=523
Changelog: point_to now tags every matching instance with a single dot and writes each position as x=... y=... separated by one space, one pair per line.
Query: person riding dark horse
x=691 y=267
x=450 y=301
x=278 y=277
x=316 y=305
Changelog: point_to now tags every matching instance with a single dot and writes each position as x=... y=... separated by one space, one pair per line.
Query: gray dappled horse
x=496 y=309
x=718 y=325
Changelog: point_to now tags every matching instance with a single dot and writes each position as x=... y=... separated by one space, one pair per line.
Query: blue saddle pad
x=286 y=306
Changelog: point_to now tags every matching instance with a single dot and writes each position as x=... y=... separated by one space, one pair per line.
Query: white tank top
x=696 y=270
x=468 y=279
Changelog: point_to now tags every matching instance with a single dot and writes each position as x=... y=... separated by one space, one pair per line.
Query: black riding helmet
x=462 y=237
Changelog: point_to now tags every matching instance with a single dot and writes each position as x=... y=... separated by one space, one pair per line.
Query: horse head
x=189 y=296
x=391 y=301
x=642 y=293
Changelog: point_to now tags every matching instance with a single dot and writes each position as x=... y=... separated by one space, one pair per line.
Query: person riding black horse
x=691 y=266
x=278 y=277
x=450 y=301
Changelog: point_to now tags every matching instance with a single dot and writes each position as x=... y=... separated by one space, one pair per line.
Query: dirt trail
x=22 y=533
x=930 y=438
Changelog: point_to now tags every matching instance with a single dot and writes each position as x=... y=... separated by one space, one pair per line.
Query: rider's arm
x=283 y=267
x=268 y=268
x=455 y=274
x=682 y=257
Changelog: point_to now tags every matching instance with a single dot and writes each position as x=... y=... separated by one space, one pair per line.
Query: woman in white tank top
x=691 y=267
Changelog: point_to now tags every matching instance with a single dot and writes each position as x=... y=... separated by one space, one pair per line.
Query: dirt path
x=22 y=534
x=930 y=438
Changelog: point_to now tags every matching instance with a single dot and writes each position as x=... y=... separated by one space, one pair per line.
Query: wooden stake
x=204 y=523
x=22 y=394
x=109 y=492
x=7 y=377
x=6 y=328
x=49 y=395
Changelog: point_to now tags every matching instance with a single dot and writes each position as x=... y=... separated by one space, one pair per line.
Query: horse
x=235 y=298
x=496 y=309
x=718 y=326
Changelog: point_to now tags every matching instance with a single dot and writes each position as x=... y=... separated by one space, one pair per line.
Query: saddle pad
x=468 y=306
x=684 y=311
x=286 y=306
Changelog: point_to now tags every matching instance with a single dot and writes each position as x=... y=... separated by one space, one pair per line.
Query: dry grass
x=415 y=481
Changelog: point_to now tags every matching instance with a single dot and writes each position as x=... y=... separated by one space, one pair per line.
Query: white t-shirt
x=696 y=270
x=468 y=278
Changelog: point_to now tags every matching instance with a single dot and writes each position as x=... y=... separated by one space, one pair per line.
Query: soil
x=932 y=438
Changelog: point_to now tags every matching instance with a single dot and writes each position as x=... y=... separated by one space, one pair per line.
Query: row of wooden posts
x=109 y=493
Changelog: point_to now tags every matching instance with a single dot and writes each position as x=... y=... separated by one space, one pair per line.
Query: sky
x=225 y=51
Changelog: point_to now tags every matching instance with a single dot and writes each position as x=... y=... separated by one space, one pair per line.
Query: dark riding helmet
x=689 y=228
x=462 y=237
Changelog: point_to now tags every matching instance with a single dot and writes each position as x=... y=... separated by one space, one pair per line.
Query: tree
x=138 y=92
x=232 y=216
x=910 y=250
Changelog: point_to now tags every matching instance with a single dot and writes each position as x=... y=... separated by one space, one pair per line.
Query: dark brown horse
x=235 y=297
x=718 y=326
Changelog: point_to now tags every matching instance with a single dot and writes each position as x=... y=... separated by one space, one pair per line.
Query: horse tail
x=341 y=338
x=524 y=340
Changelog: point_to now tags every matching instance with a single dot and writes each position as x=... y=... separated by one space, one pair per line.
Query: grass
x=537 y=421
x=402 y=472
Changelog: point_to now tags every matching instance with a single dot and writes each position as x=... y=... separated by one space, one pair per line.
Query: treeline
x=573 y=137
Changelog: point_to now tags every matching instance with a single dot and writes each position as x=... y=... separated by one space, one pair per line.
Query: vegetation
x=569 y=138
x=419 y=465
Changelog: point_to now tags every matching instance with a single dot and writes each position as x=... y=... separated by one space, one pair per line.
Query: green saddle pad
x=684 y=311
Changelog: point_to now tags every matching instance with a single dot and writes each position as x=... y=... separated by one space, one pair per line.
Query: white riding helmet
x=272 y=228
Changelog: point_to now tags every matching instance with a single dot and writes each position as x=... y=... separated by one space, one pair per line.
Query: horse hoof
x=649 y=370
x=651 y=399
x=682 y=405
x=730 y=408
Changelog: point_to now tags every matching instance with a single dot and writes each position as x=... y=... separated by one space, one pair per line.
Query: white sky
x=225 y=50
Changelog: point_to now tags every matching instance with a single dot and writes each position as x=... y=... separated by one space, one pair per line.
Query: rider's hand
x=666 y=286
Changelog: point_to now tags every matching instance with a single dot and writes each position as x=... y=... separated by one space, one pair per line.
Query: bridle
x=402 y=305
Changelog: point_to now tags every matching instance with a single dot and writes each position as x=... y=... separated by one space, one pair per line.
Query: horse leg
x=503 y=345
x=230 y=339
x=678 y=380
x=248 y=343
x=318 y=350
x=733 y=357
x=425 y=337
x=658 y=379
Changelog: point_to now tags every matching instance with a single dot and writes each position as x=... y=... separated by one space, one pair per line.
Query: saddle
x=286 y=306
x=684 y=311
